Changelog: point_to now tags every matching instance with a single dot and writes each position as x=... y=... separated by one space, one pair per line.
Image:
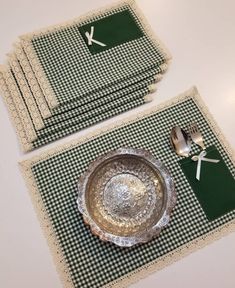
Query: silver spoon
x=180 y=141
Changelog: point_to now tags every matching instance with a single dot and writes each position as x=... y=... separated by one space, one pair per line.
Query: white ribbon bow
x=201 y=158
x=90 y=38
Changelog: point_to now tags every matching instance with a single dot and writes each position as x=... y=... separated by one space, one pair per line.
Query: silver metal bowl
x=126 y=196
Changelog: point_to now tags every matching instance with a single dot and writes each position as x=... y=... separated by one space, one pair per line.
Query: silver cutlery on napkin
x=181 y=143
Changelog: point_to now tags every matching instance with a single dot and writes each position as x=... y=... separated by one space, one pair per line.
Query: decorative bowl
x=126 y=196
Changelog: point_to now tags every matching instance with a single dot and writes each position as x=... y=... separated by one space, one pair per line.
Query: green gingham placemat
x=123 y=98
x=65 y=67
x=92 y=97
x=24 y=129
x=89 y=108
x=86 y=114
x=81 y=258
x=84 y=105
x=31 y=139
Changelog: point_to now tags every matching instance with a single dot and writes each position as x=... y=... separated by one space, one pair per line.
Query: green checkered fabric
x=91 y=262
x=84 y=105
x=74 y=72
x=104 y=93
x=94 y=112
x=122 y=100
x=111 y=109
x=114 y=100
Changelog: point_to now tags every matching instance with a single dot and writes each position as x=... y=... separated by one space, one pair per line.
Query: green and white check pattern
x=74 y=88
x=80 y=107
x=74 y=72
x=94 y=112
x=134 y=99
x=91 y=262
x=114 y=100
x=105 y=93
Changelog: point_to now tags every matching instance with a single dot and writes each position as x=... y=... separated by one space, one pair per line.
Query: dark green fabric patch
x=216 y=189
x=110 y=31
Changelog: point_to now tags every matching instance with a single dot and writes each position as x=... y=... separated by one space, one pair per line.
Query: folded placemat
x=69 y=63
x=81 y=258
x=82 y=113
x=123 y=102
x=30 y=77
x=137 y=99
x=82 y=106
x=30 y=138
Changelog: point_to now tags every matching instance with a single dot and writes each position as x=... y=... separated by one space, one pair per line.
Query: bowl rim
x=127 y=241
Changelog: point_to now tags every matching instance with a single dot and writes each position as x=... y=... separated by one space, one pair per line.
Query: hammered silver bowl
x=126 y=196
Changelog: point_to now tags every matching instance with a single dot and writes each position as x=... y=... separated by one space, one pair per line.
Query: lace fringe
x=19 y=104
x=33 y=83
x=40 y=75
x=14 y=116
x=25 y=91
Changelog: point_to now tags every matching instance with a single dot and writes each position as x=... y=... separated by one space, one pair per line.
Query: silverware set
x=181 y=141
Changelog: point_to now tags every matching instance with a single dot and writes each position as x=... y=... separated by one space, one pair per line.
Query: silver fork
x=196 y=135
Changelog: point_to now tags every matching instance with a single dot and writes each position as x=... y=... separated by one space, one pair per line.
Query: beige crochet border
x=14 y=116
x=26 y=42
x=19 y=103
x=39 y=73
x=158 y=263
x=32 y=81
x=25 y=91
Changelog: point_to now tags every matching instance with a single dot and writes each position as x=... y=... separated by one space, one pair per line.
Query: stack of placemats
x=67 y=77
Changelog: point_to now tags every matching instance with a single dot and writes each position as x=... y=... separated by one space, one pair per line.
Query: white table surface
x=201 y=37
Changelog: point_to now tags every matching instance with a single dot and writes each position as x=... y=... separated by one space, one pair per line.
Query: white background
x=201 y=37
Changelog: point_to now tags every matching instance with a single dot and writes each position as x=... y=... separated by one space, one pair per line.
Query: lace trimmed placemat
x=30 y=138
x=68 y=57
x=81 y=258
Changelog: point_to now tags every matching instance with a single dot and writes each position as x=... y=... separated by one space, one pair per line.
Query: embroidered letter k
x=90 y=38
